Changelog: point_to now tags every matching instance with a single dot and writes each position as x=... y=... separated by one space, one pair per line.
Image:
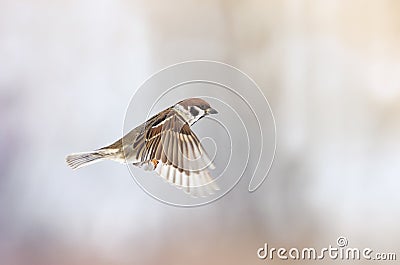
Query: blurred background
x=330 y=70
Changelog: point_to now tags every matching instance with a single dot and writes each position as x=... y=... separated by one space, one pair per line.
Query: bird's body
x=164 y=143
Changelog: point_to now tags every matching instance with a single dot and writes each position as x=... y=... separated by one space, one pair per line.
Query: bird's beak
x=212 y=111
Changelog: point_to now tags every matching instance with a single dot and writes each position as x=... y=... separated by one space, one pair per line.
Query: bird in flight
x=166 y=144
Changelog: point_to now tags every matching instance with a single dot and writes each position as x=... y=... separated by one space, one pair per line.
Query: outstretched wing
x=177 y=153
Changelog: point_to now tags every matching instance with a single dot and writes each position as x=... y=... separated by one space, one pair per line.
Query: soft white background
x=330 y=69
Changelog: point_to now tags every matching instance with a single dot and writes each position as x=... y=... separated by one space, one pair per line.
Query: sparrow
x=165 y=144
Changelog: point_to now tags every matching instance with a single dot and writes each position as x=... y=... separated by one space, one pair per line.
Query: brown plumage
x=165 y=143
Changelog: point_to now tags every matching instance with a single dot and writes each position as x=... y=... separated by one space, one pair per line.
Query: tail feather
x=79 y=160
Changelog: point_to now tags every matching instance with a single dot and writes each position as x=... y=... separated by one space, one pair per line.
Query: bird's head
x=193 y=109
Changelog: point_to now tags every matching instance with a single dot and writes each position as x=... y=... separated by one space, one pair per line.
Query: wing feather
x=182 y=159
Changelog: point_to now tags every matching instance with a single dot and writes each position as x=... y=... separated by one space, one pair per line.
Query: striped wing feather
x=182 y=160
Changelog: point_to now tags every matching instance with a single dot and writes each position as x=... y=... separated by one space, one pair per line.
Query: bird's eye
x=194 y=111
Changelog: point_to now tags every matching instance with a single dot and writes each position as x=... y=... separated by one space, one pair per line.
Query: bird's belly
x=128 y=156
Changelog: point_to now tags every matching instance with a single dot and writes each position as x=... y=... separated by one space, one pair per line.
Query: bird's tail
x=79 y=160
